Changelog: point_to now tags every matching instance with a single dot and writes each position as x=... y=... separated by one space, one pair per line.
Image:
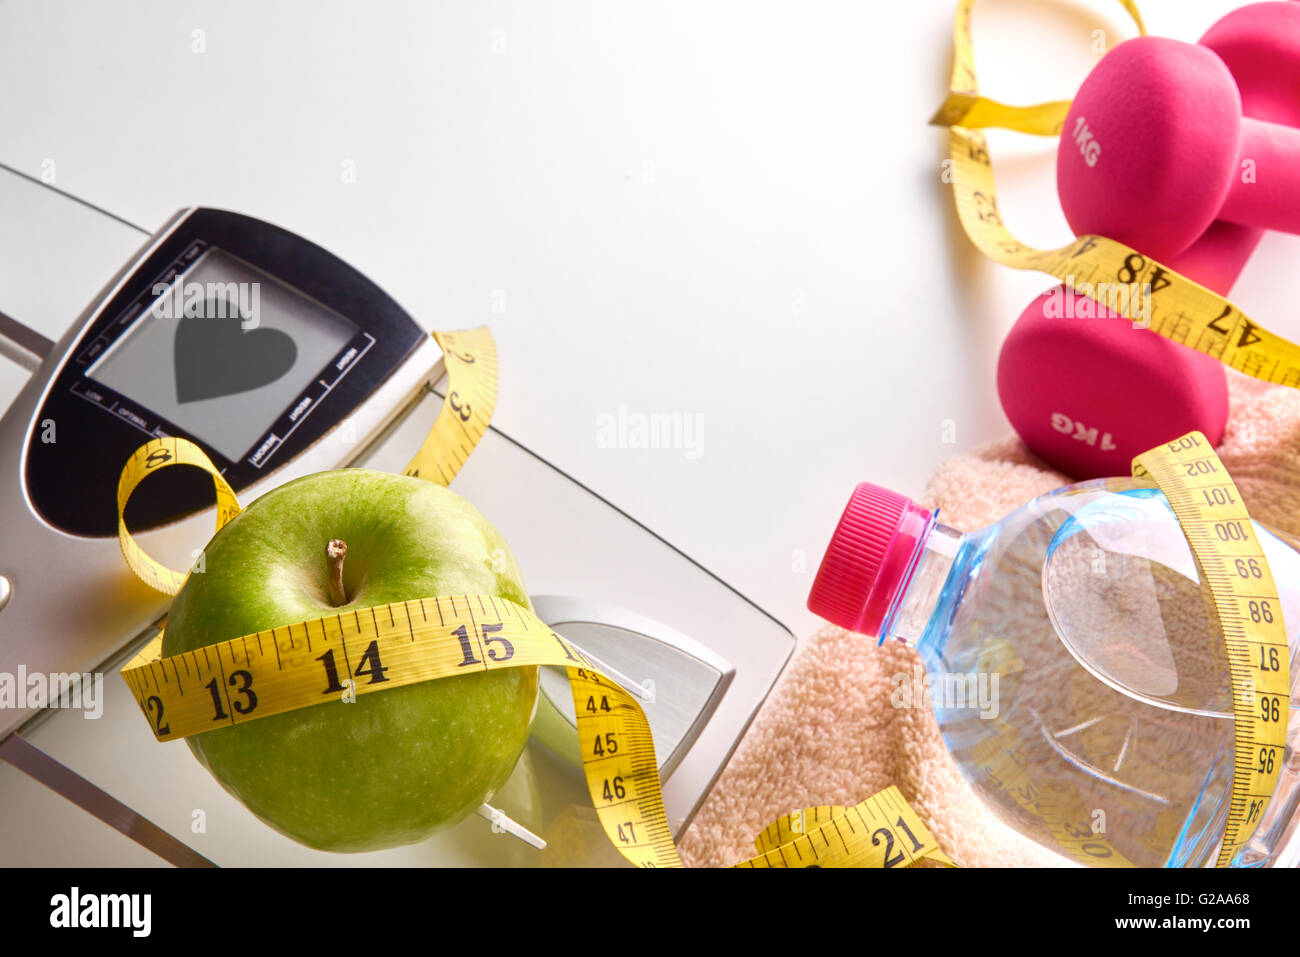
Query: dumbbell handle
x=1265 y=192
x=1217 y=258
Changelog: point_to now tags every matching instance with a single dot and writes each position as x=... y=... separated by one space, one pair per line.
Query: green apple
x=386 y=768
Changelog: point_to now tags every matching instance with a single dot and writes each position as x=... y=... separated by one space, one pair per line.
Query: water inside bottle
x=1114 y=726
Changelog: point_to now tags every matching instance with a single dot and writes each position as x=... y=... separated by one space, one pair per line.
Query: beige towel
x=828 y=733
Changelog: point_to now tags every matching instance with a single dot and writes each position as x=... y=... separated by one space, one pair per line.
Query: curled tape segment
x=1218 y=528
x=882 y=831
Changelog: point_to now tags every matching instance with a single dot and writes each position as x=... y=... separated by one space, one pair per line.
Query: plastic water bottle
x=1073 y=663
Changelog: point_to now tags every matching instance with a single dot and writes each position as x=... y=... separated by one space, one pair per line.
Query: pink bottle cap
x=870 y=559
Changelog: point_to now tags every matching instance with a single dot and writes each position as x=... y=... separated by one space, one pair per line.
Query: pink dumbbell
x=1155 y=148
x=1088 y=394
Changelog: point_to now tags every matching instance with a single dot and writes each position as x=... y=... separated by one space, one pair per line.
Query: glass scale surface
x=597 y=576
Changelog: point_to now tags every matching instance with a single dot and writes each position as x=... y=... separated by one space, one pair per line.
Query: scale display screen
x=223 y=350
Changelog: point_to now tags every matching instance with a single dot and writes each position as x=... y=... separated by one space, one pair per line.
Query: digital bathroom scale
x=303 y=365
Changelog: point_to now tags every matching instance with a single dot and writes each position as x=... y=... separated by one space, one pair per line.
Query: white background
x=717 y=208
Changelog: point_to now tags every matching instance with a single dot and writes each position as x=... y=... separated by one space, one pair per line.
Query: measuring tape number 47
x=1180 y=310
x=431 y=637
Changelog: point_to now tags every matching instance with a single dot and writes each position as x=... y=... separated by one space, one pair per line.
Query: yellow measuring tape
x=423 y=639
x=432 y=637
x=471 y=361
x=1231 y=561
x=882 y=831
x=470 y=358
x=1180 y=309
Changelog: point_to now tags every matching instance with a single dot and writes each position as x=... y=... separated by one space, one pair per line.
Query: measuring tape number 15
x=431 y=637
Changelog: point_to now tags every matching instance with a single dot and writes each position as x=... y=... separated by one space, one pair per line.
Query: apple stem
x=335 y=552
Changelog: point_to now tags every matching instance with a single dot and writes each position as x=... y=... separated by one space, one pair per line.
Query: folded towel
x=828 y=733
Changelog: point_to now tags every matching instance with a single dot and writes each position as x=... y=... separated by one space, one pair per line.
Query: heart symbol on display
x=217 y=356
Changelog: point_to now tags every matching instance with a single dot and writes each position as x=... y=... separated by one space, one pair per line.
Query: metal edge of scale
x=559 y=611
x=658 y=641
x=20 y=638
